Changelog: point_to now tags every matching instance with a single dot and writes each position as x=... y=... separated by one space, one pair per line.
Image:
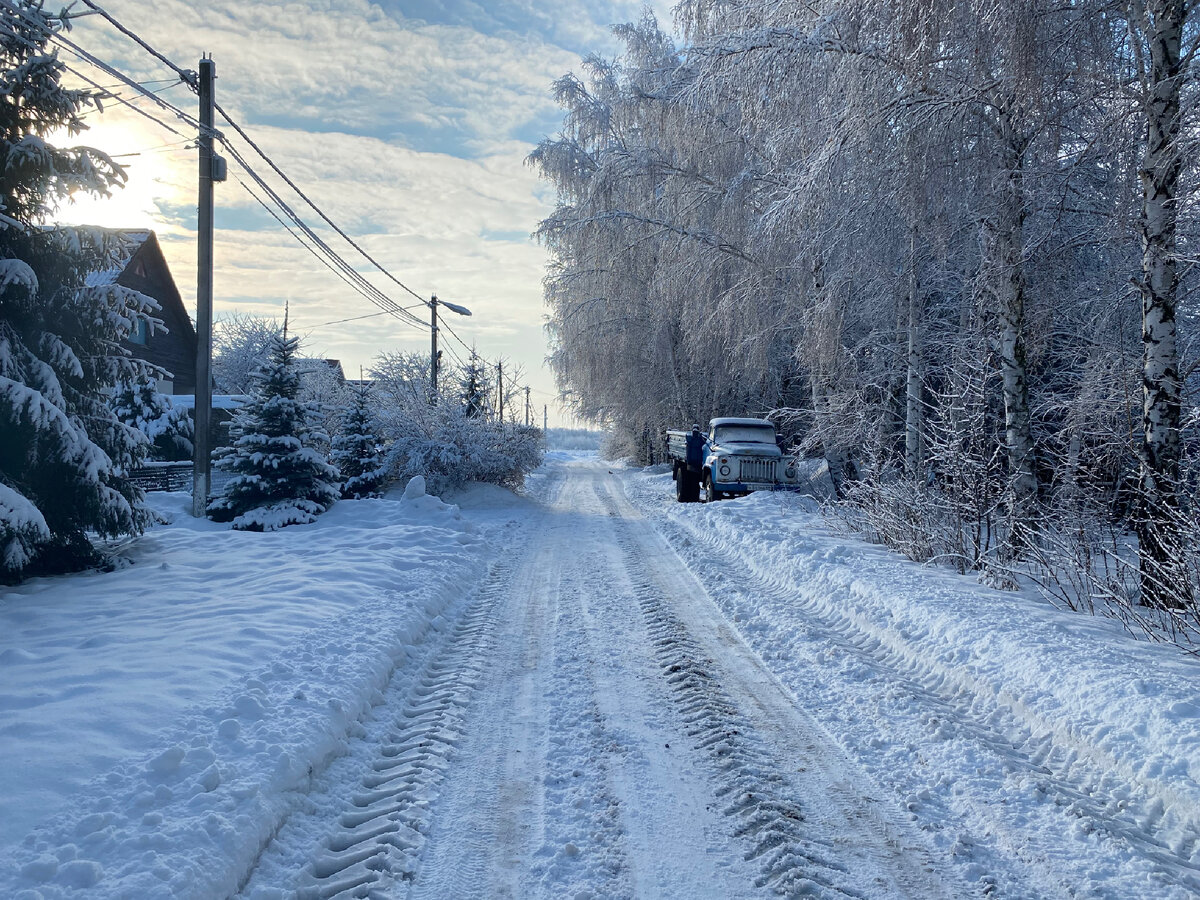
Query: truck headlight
x=790 y=472
x=725 y=470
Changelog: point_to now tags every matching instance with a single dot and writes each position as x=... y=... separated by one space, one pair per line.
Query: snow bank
x=158 y=721
x=1075 y=685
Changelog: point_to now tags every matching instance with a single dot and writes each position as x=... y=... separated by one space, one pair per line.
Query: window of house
x=139 y=334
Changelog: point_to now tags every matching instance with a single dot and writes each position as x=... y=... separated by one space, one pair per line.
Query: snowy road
x=588 y=691
x=593 y=727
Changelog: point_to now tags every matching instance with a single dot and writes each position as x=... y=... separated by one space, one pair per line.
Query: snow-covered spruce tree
x=140 y=405
x=475 y=387
x=62 y=452
x=279 y=479
x=356 y=447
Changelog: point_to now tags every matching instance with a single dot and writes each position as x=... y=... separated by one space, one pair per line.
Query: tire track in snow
x=1073 y=779
x=370 y=844
x=528 y=810
x=583 y=853
x=377 y=837
x=803 y=847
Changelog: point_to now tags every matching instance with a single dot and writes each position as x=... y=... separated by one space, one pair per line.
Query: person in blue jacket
x=695 y=449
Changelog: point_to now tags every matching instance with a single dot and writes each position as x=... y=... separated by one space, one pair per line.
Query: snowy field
x=589 y=692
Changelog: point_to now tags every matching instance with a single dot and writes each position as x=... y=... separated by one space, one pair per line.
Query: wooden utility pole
x=528 y=409
x=500 y=387
x=433 y=350
x=545 y=407
x=204 y=294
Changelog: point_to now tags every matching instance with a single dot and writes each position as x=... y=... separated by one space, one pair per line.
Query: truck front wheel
x=711 y=494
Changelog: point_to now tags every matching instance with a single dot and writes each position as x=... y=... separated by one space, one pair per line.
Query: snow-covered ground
x=157 y=722
x=591 y=691
x=1045 y=752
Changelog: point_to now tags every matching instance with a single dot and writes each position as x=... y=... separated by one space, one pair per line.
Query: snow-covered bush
x=450 y=443
x=241 y=346
x=279 y=479
x=140 y=405
x=355 y=451
x=62 y=451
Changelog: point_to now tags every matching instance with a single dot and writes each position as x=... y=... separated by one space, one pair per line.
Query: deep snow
x=153 y=720
x=158 y=724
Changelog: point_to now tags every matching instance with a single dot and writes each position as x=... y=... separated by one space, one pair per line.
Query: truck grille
x=757 y=470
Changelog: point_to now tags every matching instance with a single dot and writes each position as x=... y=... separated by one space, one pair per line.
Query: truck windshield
x=761 y=434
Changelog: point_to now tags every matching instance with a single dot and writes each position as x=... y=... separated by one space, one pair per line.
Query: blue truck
x=738 y=456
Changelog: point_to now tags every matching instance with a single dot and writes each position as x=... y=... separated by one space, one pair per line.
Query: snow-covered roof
x=730 y=420
x=132 y=241
x=219 y=401
x=309 y=364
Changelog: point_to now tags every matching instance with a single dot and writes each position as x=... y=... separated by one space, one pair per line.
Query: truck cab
x=743 y=455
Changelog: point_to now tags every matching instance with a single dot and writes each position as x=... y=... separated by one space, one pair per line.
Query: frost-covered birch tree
x=850 y=214
x=1157 y=33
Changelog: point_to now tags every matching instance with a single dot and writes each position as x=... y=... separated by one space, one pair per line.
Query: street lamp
x=433 y=338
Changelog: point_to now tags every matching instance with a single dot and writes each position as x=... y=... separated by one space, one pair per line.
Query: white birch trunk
x=914 y=409
x=1162 y=24
x=1004 y=255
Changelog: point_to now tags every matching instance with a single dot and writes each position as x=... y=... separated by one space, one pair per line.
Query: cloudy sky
x=407 y=121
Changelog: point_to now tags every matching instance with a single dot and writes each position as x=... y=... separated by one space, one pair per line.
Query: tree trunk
x=1004 y=256
x=914 y=409
x=1163 y=579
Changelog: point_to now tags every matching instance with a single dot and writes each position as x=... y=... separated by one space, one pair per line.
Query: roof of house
x=131 y=240
x=310 y=364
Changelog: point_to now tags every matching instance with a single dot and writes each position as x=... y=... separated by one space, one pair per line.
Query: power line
x=12 y=8
x=278 y=171
x=361 y=285
x=453 y=334
x=382 y=312
x=185 y=75
x=189 y=78
x=109 y=95
x=330 y=258
x=145 y=92
x=372 y=292
x=136 y=109
x=172 y=81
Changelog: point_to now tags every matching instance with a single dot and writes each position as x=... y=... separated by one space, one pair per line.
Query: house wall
x=175 y=351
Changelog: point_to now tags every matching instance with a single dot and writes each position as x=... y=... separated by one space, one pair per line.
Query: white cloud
x=410 y=132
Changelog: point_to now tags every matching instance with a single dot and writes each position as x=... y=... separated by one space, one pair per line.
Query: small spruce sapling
x=140 y=405
x=356 y=447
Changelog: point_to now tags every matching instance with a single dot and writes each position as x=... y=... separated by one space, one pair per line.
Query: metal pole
x=204 y=294
x=433 y=351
